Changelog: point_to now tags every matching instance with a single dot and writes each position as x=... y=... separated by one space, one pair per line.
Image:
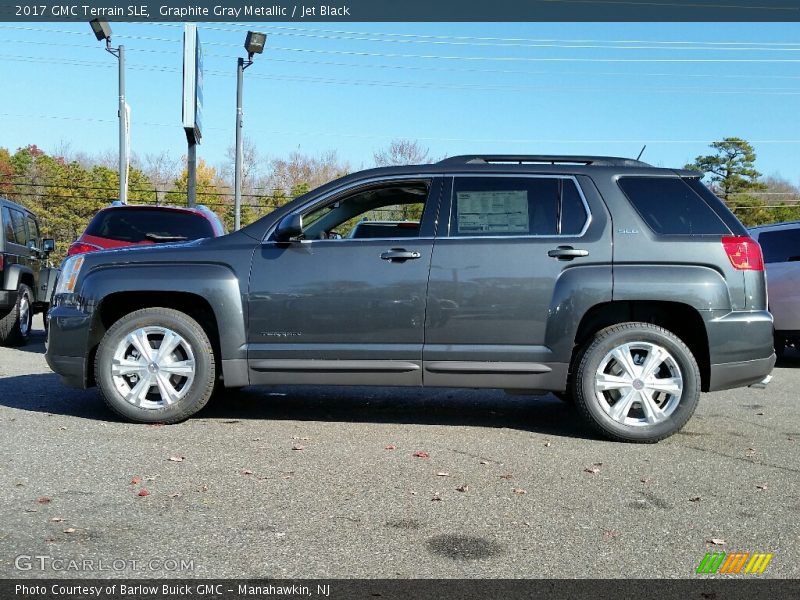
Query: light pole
x=102 y=31
x=254 y=44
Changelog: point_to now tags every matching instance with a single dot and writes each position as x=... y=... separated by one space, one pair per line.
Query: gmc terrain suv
x=26 y=280
x=626 y=288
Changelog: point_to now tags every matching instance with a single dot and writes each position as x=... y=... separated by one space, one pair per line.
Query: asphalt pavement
x=360 y=482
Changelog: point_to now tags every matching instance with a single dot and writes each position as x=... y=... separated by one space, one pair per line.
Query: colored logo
x=736 y=562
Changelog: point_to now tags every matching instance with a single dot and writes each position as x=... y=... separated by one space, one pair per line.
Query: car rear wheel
x=636 y=382
x=156 y=365
x=15 y=327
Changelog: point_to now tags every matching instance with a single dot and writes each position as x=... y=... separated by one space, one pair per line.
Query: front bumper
x=68 y=344
x=8 y=300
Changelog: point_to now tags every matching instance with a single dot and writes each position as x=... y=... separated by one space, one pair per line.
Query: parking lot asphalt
x=324 y=482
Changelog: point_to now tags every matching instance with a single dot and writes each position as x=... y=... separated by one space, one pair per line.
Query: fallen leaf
x=298 y=447
x=19 y=484
x=436 y=498
x=644 y=480
x=304 y=439
x=136 y=480
x=716 y=541
x=176 y=458
x=44 y=500
x=462 y=488
x=547 y=444
x=611 y=533
x=202 y=488
x=70 y=530
x=31 y=510
x=174 y=495
x=694 y=499
x=246 y=472
x=750 y=452
x=484 y=462
x=591 y=470
x=421 y=454
x=390 y=447
x=57 y=519
x=760 y=414
x=62 y=428
x=762 y=487
x=443 y=474
x=507 y=476
x=143 y=492
x=519 y=491
x=413 y=493
x=598 y=464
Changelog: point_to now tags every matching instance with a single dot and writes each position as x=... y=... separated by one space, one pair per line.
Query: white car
x=780 y=244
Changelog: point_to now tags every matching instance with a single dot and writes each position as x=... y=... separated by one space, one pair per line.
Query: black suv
x=26 y=280
x=626 y=288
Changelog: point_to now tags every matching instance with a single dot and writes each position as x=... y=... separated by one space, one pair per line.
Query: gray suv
x=626 y=288
x=26 y=280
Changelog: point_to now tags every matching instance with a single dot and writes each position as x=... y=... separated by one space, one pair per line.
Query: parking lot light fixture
x=254 y=44
x=102 y=31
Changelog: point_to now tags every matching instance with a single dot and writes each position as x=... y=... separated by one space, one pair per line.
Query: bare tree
x=402 y=152
x=250 y=165
x=162 y=170
x=301 y=172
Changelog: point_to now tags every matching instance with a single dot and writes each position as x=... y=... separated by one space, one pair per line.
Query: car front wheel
x=156 y=365
x=636 y=382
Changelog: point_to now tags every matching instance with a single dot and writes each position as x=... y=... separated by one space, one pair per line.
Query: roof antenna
x=642 y=152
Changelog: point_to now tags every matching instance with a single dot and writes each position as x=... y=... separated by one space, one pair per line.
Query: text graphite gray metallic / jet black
x=626 y=288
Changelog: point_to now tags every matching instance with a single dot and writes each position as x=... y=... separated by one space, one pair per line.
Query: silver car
x=780 y=244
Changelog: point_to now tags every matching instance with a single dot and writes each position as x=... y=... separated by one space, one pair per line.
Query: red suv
x=122 y=225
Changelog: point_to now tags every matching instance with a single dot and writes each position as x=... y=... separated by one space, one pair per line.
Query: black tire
x=13 y=331
x=192 y=334
x=566 y=397
x=589 y=361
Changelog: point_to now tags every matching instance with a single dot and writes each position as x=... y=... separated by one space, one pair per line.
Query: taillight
x=743 y=252
x=81 y=248
x=2 y=260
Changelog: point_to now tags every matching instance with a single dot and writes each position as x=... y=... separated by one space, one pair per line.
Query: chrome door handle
x=399 y=255
x=567 y=253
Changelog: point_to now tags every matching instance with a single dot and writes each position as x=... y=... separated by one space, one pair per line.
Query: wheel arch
x=681 y=319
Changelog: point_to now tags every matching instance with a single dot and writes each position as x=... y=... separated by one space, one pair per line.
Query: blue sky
x=574 y=88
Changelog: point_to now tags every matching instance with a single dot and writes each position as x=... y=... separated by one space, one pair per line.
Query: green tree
x=731 y=169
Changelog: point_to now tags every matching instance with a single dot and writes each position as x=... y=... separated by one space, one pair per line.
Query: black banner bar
x=403 y=10
x=702 y=588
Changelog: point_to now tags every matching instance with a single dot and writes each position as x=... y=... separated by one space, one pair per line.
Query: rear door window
x=8 y=226
x=780 y=246
x=18 y=223
x=516 y=206
x=670 y=207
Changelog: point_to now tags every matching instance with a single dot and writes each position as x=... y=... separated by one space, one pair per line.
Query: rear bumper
x=8 y=300
x=740 y=347
x=741 y=374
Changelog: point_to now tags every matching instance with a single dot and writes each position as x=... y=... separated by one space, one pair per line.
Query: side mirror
x=291 y=226
x=48 y=245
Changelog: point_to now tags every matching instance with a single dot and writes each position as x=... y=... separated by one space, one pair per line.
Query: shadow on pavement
x=44 y=393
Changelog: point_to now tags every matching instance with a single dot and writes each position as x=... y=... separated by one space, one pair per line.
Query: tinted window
x=780 y=246
x=516 y=206
x=671 y=207
x=136 y=225
x=573 y=212
x=717 y=204
x=8 y=227
x=18 y=223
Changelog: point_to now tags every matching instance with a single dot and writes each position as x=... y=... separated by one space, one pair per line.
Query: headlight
x=69 y=275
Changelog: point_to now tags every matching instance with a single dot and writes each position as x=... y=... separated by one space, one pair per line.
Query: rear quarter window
x=670 y=207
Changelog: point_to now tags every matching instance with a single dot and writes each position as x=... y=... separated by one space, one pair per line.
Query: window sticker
x=493 y=212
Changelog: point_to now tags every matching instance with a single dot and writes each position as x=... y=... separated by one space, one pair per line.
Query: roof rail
x=548 y=159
